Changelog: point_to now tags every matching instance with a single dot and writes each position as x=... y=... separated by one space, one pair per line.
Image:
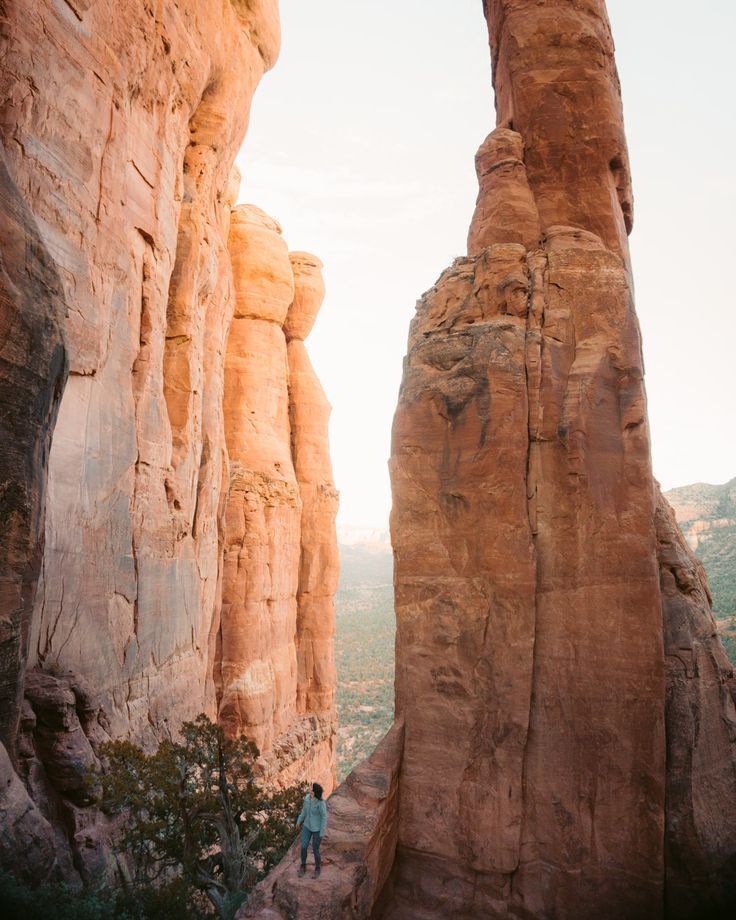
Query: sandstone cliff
x=167 y=532
x=569 y=731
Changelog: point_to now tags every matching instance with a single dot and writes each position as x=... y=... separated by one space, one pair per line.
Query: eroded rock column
x=309 y=413
x=529 y=648
x=257 y=654
x=275 y=667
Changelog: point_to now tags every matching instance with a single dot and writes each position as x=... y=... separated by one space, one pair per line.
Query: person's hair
x=317 y=790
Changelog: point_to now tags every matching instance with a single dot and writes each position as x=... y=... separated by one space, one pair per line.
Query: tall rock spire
x=555 y=83
x=530 y=656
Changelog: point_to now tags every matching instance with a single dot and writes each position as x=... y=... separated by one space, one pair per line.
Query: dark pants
x=308 y=835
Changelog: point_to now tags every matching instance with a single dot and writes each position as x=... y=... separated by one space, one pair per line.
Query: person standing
x=314 y=818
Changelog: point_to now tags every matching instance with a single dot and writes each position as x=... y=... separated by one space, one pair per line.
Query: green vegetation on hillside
x=707 y=516
x=364 y=652
x=708 y=513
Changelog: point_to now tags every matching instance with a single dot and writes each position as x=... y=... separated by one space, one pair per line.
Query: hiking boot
x=302 y=870
x=315 y=874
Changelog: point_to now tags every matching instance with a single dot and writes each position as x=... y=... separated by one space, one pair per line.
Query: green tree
x=195 y=811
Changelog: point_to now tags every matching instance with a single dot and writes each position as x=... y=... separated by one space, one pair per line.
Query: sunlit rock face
x=257 y=658
x=309 y=413
x=568 y=746
x=274 y=666
x=120 y=122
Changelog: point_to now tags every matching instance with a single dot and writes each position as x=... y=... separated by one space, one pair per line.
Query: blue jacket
x=314 y=814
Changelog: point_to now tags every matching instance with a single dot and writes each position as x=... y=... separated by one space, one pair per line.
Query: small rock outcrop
x=358 y=851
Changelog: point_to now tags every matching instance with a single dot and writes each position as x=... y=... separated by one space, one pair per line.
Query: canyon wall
x=174 y=505
x=569 y=745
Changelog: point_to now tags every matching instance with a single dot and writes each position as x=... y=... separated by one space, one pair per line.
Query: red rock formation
x=530 y=665
x=280 y=567
x=700 y=839
x=533 y=567
x=529 y=651
x=262 y=514
x=120 y=123
x=125 y=121
x=32 y=376
x=319 y=565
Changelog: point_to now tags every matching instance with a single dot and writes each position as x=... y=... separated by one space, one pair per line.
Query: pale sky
x=362 y=142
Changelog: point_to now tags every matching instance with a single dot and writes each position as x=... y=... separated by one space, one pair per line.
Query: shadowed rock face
x=120 y=122
x=700 y=841
x=568 y=720
x=33 y=371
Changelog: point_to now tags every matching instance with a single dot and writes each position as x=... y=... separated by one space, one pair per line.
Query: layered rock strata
x=309 y=413
x=257 y=657
x=120 y=123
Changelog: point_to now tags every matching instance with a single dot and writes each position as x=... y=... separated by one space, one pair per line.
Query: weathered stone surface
x=120 y=124
x=530 y=659
x=32 y=374
x=257 y=658
x=523 y=527
x=309 y=413
x=555 y=83
x=26 y=837
x=275 y=662
x=506 y=211
x=357 y=851
x=61 y=726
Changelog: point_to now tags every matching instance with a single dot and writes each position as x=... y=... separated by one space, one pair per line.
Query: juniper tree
x=194 y=809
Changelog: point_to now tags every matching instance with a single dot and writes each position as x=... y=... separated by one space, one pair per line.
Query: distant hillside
x=707 y=516
x=364 y=647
